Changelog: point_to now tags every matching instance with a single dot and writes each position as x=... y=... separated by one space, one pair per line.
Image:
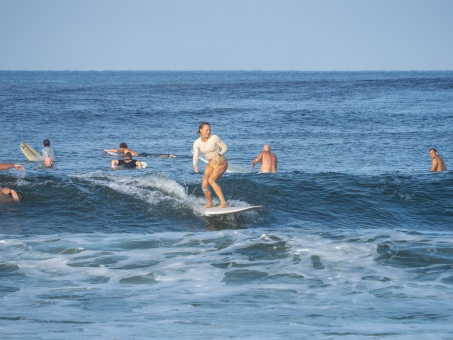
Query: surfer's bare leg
x=205 y=185
x=215 y=175
x=208 y=195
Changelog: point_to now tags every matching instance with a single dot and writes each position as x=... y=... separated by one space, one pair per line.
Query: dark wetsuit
x=127 y=163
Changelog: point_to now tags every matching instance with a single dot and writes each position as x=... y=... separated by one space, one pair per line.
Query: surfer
x=213 y=149
x=8 y=191
x=124 y=149
x=268 y=160
x=126 y=163
x=438 y=162
x=48 y=151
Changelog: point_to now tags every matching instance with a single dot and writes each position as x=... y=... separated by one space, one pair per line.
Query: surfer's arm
x=196 y=154
x=6 y=166
x=139 y=165
x=114 y=163
x=223 y=147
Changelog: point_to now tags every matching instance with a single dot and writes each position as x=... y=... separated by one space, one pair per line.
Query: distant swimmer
x=48 y=151
x=268 y=160
x=126 y=163
x=438 y=162
x=213 y=149
x=7 y=191
x=124 y=148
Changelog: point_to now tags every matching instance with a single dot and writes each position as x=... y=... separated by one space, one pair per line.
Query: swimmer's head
x=266 y=147
x=48 y=162
x=123 y=145
x=46 y=142
x=128 y=155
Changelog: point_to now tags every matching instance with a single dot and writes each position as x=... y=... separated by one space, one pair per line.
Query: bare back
x=268 y=161
x=438 y=164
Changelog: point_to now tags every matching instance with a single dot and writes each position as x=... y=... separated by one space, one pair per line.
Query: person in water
x=7 y=191
x=48 y=163
x=213 y=149
x=438 y=162
x=268 y=160
x=124 y=149
x=48 y=151
x=126 y=163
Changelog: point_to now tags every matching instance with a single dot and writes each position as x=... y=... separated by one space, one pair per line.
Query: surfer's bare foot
x=209 y=205
x=222 y=205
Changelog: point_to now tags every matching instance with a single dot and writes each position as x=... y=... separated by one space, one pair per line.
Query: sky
x=306 y=35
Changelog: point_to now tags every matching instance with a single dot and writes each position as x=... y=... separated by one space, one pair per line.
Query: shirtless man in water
x=438 y=162
x=268 y=160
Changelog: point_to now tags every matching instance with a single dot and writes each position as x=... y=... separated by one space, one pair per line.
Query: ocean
x=355 y=240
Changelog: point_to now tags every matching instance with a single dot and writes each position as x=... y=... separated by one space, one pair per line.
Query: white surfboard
x=229 y=210
x=112 y=153
x=31 y=154
x=231 y=167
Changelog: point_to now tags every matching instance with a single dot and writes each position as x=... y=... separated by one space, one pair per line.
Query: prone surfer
x=268 y=160
x=8 y=191
x=124 y=149
x=213 y=149
x=126 y=163
x=438 y=162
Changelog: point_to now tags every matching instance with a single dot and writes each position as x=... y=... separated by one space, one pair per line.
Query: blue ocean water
x=355 y=240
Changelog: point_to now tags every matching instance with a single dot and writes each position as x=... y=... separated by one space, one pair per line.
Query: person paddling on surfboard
x=124 y=148
x=213 y=149
x=126 y=163
x=8 y=191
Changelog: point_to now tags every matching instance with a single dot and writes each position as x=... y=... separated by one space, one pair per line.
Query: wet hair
x=46 y=142
x=128 y=155
x=434 y=149
x=201 y=126
x=123 y=145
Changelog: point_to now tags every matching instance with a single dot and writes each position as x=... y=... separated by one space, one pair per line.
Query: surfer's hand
x=19 y=167
x=195 y=168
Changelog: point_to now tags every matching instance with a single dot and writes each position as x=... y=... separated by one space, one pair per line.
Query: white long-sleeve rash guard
x=211 y=148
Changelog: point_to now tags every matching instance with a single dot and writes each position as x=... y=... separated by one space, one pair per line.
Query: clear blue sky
x=226 y=35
